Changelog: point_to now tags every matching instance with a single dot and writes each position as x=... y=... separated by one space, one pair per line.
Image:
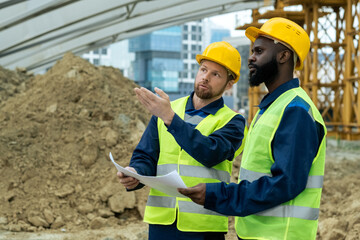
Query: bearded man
x=282 y=167
x=198 y=136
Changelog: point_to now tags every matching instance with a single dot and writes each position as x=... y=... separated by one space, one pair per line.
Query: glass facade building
x=218 y=34
x=157 y=59
x=240 y=89
x=192 y=41
x=101 y=56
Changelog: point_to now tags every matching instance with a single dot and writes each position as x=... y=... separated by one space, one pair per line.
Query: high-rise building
x=218 y=34
x=116 y=55
x=121 y=57
x=240 y=89
x=192 y=44
x=164 y=58
x=100 y=56
x=196 y=36
x=157 y=59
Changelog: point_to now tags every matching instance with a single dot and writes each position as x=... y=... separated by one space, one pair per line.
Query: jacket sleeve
x=213 y=149
x=294 y=146
x=145 y=156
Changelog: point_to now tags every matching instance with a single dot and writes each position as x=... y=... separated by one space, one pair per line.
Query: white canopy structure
x=35 y=33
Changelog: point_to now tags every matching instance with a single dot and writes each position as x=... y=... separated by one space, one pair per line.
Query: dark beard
x=264 y=74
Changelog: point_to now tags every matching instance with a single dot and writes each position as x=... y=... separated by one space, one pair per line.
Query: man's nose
x=206 y=76
x=251 y=58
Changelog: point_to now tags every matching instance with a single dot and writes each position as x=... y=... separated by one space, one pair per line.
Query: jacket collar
x=211 y=108
x=271 y=97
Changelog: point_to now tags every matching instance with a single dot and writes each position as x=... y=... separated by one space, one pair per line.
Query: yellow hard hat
x=285 y=31
x=224 y=54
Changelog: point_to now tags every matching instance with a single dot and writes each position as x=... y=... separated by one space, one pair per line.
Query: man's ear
x=229 y=84
x=283 y=56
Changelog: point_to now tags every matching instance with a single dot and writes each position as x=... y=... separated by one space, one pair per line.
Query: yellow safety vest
x=191 y=217
x=297 y=218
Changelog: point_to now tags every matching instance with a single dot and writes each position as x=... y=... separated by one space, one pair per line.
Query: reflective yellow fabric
x=164 y=209
x=295 y=219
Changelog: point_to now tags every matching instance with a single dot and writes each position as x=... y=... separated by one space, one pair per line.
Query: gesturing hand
x=196 y=193
x=157 y=105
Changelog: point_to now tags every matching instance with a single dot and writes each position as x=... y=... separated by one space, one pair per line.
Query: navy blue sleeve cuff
x=212 y=191
x=140 y=185
x=175 y=124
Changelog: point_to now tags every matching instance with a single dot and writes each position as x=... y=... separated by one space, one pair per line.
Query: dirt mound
x=340 y=206
x=54 y=141
x=12 y=82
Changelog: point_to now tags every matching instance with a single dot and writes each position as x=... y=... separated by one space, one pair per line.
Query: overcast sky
x=232 y=20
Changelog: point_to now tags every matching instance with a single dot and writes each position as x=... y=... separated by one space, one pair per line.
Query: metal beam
x=21 y=12
x=7 y=3
x=68 y=29
x=53 y=20
x=56 y=37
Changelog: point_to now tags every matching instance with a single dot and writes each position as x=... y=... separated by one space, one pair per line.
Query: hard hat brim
x=253 y=33
x=200 y=57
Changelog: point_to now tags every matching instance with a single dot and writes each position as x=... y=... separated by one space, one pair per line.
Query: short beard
x=264 y=74
x=210 y=94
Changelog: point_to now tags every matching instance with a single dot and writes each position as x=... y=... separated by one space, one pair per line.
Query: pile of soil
x=55 y=139
x=57 y=182
x=340 y=206
x=12 y=82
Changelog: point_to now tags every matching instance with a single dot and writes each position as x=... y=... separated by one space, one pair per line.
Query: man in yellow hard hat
x=198 y=136
x=282 y=167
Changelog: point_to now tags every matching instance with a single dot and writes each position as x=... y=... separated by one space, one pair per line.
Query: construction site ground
x=57 y=182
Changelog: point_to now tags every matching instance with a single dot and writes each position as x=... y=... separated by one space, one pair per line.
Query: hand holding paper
x=167 y=184
x=127 y=181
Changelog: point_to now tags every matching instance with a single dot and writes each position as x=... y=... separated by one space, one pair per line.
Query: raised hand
x=157 y=105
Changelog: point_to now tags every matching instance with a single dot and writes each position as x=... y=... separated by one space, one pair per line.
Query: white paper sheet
x=167 y=184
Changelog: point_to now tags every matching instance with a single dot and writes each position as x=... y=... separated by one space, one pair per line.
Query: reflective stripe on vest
x=194 y=171
x=313 y=181
x=161 y=201
x=184 y=206
x=191 y=207
x=286 y=210
x=306 y=213
x=194 y=120
x=165 y=169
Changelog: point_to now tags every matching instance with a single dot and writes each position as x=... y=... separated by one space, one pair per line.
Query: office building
x=192 y=44
x=100 y=56
x=240 y=89
x=157 y=59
